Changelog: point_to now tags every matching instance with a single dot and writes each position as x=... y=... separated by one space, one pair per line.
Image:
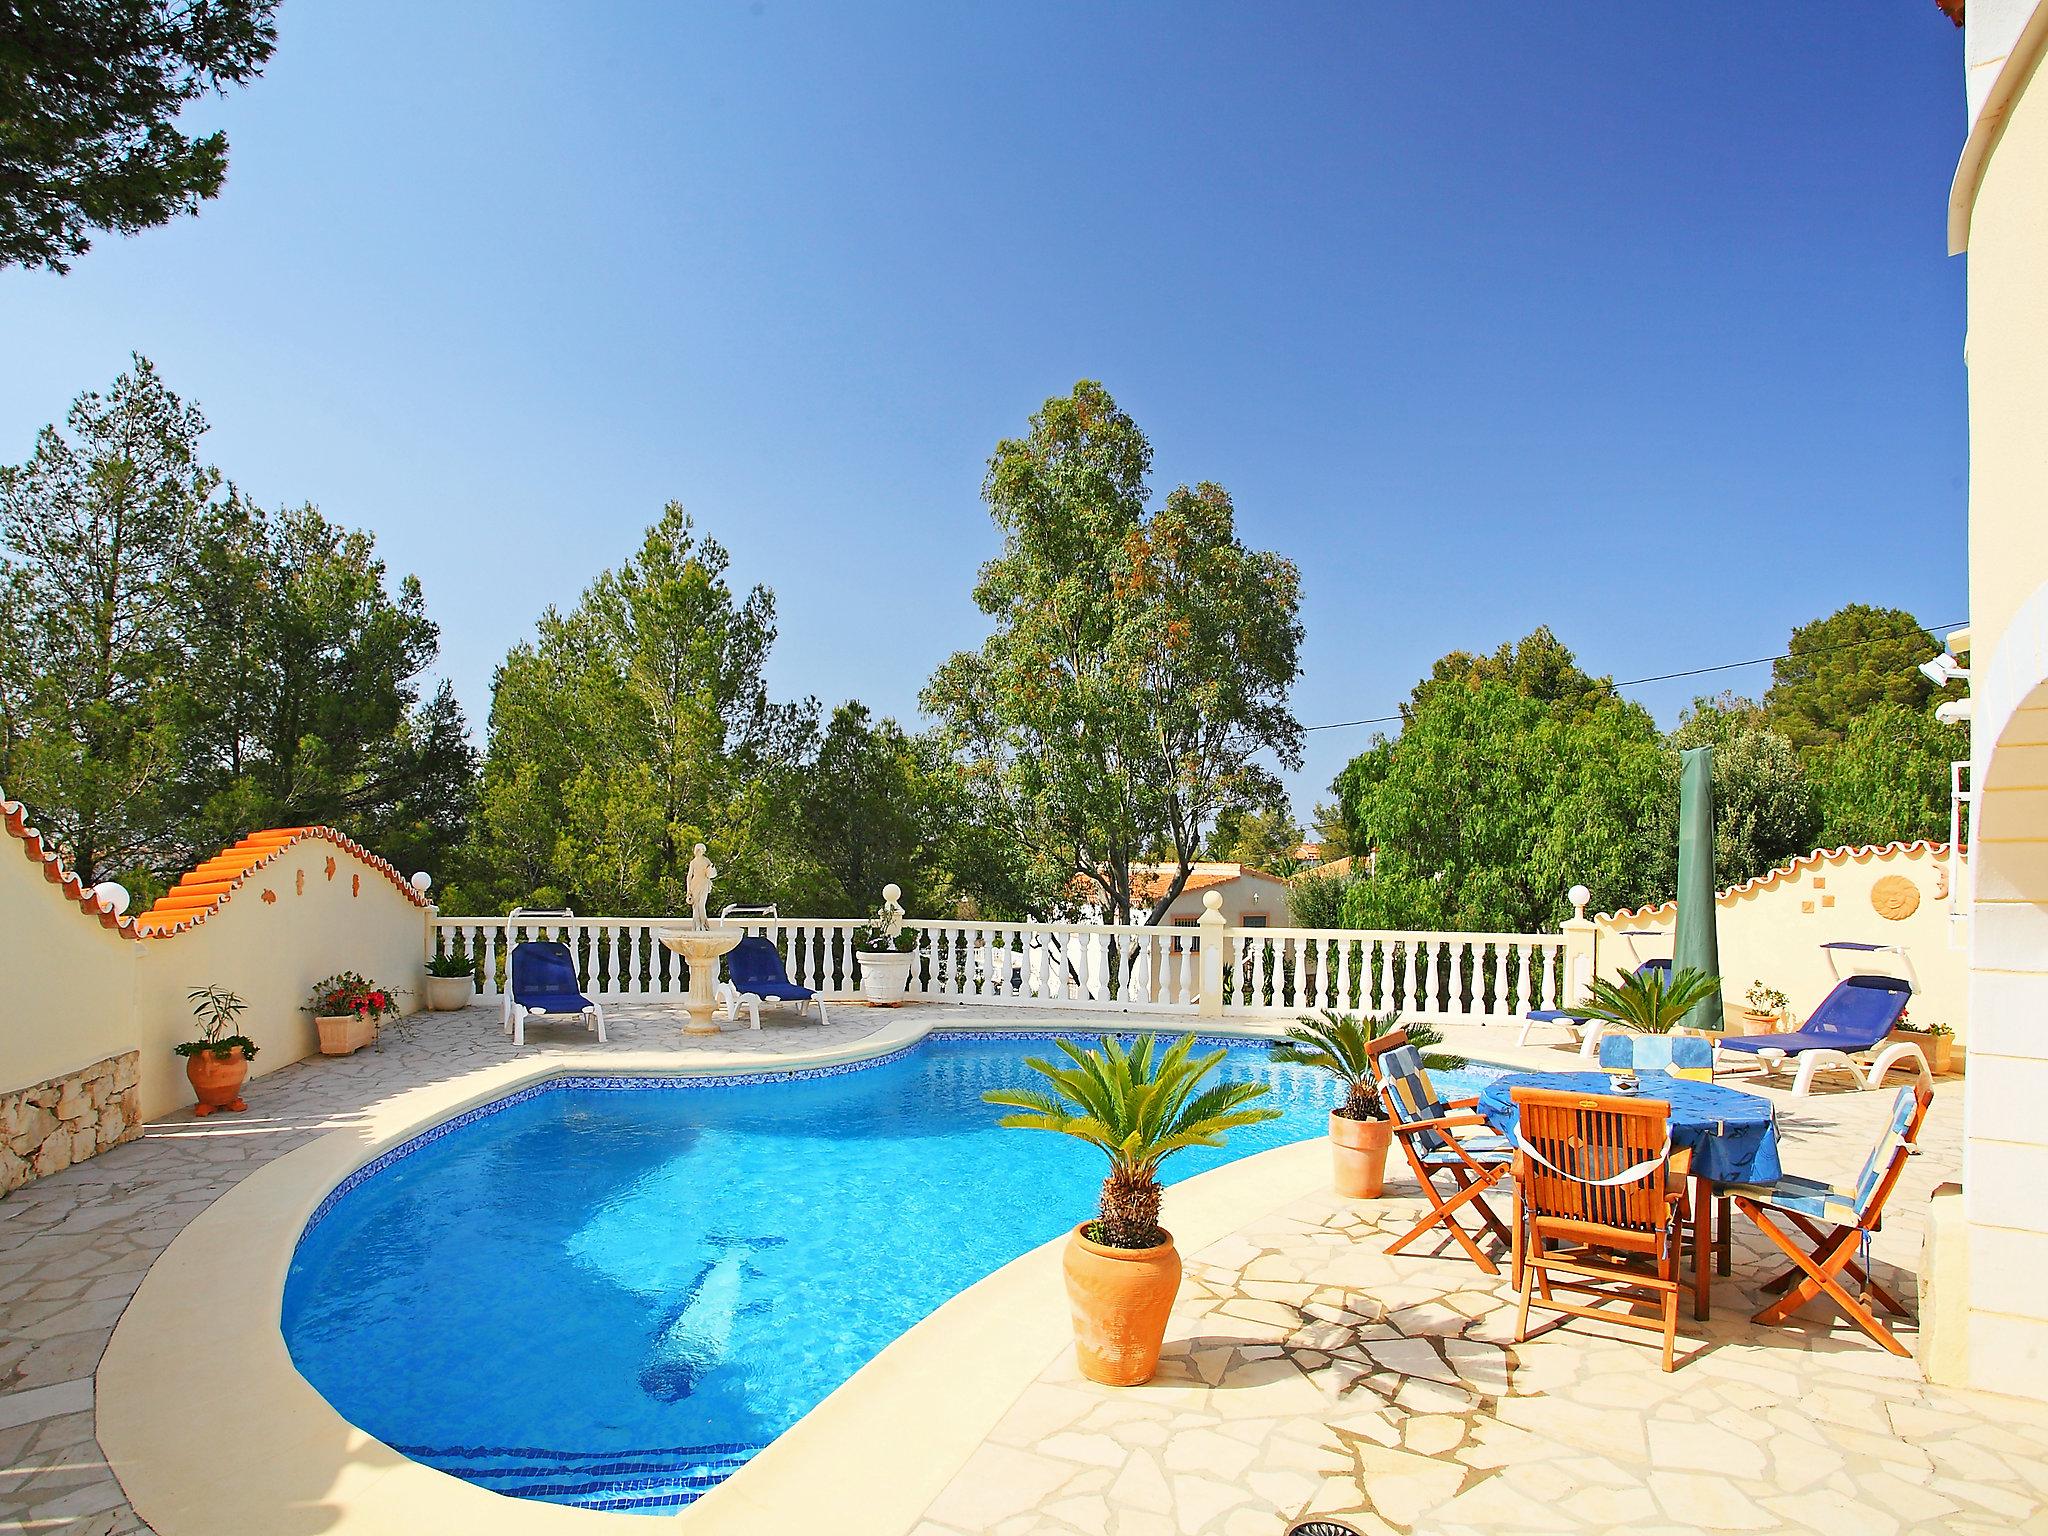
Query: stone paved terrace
x=1305 y=1370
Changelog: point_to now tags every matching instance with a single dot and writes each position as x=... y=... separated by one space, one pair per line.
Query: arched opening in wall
x=2009 y=844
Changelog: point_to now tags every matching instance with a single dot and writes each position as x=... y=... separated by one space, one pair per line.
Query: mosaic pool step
x=638 y=1479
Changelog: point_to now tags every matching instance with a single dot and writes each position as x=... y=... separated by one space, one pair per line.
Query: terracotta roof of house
x=198 y=895
x=15 y=815
x=1149 y=882
x=1820 y=858
x=1332 y=869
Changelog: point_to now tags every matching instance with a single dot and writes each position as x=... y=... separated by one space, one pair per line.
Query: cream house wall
x=313 y=911
x=70 y=980
x=1999 y=212
x=1771 y=929
x=81 y=991
x=1248 y=895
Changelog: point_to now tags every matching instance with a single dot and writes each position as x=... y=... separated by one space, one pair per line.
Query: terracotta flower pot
x=217 y=1081
x=1738 y=1020
x=1120 y=1299
x=1358 y=1155
x=1940 y=1050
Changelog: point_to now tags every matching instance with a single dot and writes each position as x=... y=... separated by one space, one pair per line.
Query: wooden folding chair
x=1838 y=1223
x=1594 y=1174
x=1427 y=1128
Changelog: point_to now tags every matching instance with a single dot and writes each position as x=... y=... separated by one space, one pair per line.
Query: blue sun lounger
x=1851 y=1022
x=543 y=982
x=757 y=977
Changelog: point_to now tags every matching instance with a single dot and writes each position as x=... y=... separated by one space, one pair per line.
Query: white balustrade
x=1270 y=973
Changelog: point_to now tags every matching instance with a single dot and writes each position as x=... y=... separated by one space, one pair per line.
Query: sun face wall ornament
x=1895 y=898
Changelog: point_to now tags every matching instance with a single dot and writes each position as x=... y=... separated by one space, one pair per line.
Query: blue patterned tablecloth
x=1733 y=1136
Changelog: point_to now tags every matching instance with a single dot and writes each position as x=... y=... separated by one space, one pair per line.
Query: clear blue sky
x=1489 y=316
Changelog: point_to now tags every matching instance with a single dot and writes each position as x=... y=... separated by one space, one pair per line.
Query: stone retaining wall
x=66 y=1120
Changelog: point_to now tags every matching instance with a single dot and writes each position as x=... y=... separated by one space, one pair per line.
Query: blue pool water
x=613 y=1293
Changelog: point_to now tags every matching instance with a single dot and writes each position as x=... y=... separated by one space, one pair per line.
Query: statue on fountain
x=697 y=886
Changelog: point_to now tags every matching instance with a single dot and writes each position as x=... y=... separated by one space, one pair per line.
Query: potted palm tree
x=1341 y=1045
x=217 y=1063
x=1645 y=1002
x=1140 y=1106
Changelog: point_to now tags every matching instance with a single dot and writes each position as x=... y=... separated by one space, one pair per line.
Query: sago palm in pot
x=1643 y=1001
x=1341 y=1044
x=1139 y=1105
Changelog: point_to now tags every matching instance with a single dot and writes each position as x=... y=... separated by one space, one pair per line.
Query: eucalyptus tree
x=1136 y=680
x=1889 y=779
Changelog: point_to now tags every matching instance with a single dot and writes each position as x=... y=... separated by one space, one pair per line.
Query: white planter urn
x=446 y=994
x=885 y=975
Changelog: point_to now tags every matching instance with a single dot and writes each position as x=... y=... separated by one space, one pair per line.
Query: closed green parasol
x=1697 y=946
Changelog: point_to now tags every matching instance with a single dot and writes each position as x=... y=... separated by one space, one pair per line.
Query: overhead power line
x=1661 y=677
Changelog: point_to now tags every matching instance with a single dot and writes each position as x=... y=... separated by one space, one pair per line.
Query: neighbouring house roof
x=198 y=895
x=1820 y=858
x=1334 y=869
x=1310 y=852
x=15 y=815
x=1149 y=882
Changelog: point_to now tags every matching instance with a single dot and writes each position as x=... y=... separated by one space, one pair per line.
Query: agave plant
x=1645 y=1002
x=1340 y=1044
x=1140 y=1106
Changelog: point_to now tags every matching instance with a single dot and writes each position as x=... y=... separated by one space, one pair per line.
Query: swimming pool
x=613 y=1291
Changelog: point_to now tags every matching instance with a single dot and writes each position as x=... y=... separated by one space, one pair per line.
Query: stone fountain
x=701 y=946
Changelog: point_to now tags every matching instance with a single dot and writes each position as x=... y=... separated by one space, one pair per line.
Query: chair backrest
x=1887 y=1158
x=1859 y=1012
x=1660 y=967
x=543 y=968
x=1405 y=1088
x=1594 y=1158
x=753 y=961
x=1686 y=1056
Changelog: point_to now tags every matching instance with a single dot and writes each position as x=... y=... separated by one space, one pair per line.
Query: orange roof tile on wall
x=1771 y=878
x=14 y=815
x=210 y=885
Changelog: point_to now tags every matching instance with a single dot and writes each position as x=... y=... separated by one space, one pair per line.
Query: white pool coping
x=213 y=1432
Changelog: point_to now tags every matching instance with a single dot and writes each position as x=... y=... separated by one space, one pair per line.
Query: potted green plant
x=451 y=980
x=217 y=1063
x=887 y=950
x=1645 y=1002
x=1766 y=1011
x=1139 y=1105
x=347 y=1009
x=1341 y=1045
x=1937 y=1043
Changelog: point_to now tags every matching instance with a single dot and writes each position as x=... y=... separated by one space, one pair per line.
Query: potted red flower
x=347 y=1009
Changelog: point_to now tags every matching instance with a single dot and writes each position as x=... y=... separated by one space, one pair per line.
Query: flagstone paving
x=1305 y=1370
